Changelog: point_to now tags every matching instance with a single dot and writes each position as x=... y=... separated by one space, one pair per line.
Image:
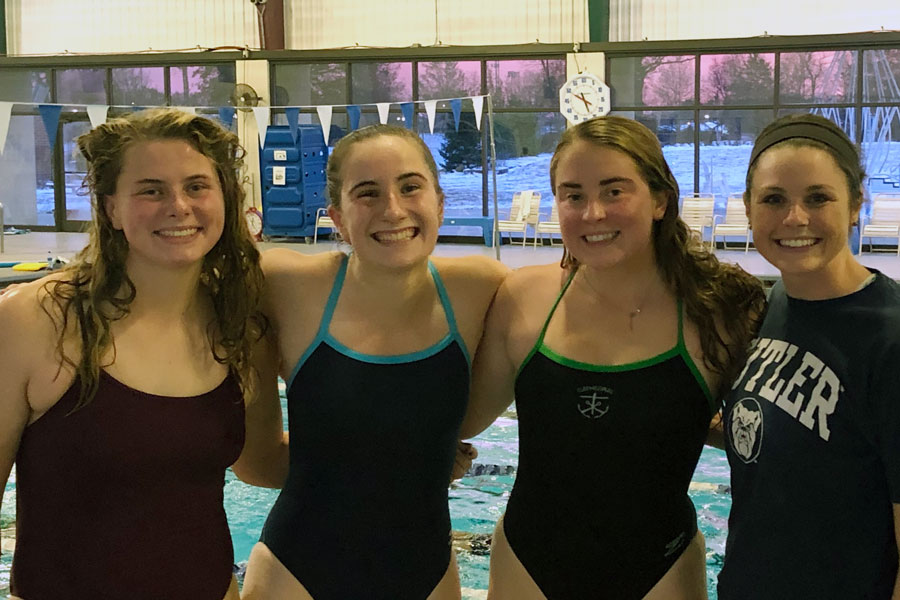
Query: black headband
x=811 y=131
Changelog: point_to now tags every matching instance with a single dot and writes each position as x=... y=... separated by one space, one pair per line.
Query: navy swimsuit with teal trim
x=363 y=513
x=600 y=507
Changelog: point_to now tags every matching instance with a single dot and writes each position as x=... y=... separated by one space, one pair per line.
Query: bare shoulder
x=29 y=320
x=472 y=274
x=286 y=263
x=528 y=292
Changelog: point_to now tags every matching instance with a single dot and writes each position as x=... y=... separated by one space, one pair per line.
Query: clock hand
x=587 y=105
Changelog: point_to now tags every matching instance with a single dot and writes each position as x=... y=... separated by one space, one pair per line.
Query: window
x=652 y=80
x=525 y=83
x=737 y=78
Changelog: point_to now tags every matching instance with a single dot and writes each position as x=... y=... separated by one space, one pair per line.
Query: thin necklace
x=631 y=313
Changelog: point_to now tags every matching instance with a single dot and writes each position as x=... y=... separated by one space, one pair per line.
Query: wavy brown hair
x=714 y=294
x=95 y=289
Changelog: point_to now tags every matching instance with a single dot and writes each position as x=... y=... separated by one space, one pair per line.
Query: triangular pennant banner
x=430 y=109
x=407 y=109
x=353 y=113
x=97 y=113
x=478 y=104
x=292 y=113
x=262 y=122
x=325 y=120
x=226 y=115
x=456 y=107
x=383 y=109
x=5 y=114
x=50 y=116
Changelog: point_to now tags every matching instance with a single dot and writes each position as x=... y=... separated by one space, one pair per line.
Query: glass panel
x=818 y=77
x=26 y=168
x=881 y=148
x=737 y=79
x=338 y=129
x=844 y=117
x=458 y=157
x=78 y=200
x=881 y=76
x=24 y=85
x=310 y=85
x=536 y=83
x=675 y=130
x=81 y=86
x=525 y=144
x=449 y=80
x=726 y=139
x=381 y=82
x=652 y=80
x=202 y=85
x=140 y=86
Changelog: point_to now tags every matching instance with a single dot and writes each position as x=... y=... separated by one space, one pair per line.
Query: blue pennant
x=226 y=115
x=353 y=113
x=407 y=109
x=456 y=107
x=293 y=118
x=50 y=116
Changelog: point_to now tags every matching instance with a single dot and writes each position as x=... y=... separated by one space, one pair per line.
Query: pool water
x=476 y=503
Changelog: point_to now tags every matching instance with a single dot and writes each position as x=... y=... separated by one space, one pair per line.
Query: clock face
x=254 y=221
x=583 y=97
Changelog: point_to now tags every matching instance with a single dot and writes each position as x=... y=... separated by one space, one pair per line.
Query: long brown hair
x=714 y=294
x=95 y=288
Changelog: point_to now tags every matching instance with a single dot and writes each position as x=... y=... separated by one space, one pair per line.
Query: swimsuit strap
x=332 y=299
x=448 y=310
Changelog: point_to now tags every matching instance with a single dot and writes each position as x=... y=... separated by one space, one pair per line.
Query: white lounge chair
x=324 y=221
x=884 y=222
x=551 y=226
x=735 y=223
x=697 y=213
x=522 y=211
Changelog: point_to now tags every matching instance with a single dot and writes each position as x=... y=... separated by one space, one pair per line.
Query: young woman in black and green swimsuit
x=615 y=358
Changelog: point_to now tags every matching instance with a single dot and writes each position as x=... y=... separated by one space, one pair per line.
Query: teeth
x=601 y=237
x=177 y=232
x=395 y=236
x=797 y=243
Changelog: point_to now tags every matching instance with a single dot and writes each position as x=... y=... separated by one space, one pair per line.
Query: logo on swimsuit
x=746 y=429
x=594 y=401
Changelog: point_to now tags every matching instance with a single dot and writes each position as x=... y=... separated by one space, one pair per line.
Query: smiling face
x=800 y=211
x=606 y=209
x=390 y=209
x=168 y=203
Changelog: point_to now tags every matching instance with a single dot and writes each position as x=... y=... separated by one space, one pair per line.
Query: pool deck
x=35 y=247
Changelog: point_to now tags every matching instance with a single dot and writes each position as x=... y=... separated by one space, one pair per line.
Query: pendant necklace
x=636 y=311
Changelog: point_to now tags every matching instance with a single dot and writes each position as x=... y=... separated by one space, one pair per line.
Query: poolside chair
x=697 y=213
x=551 y=226
x=324 y=221
x=884 y=222
x=522 y=211
x=735 y=223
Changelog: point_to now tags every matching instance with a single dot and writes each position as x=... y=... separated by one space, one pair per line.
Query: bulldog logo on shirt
x=594 y=401
x=746 y=429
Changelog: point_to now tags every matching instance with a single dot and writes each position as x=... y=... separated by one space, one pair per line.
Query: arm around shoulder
x=493 y=371
x=264 y=459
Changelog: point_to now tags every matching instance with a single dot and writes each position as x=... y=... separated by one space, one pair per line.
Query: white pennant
x=191 y=110
x=325 y=120
x=97 y=114
x=262 y=122
x=383 y=109
x=478 y=103
x=5 y=114
x=430 y=108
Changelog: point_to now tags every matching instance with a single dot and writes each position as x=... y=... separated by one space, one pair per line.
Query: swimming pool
x=476 y=502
